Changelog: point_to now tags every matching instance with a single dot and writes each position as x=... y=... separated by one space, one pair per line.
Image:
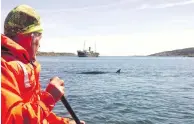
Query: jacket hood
x=11 y=47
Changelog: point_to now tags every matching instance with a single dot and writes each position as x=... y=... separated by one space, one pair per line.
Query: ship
x=87 y=53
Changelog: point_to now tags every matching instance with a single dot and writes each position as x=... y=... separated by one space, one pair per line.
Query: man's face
x=35 y=44
x=31 y=43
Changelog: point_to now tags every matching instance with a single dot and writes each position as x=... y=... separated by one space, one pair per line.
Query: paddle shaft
x=70 y=110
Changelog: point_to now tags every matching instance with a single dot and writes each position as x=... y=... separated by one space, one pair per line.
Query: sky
x=115 y=27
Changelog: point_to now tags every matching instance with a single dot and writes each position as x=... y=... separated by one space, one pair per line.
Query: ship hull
x=87 y=54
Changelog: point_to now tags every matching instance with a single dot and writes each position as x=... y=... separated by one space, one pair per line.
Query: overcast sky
x=118 y=27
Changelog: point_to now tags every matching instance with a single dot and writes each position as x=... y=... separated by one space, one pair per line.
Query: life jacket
x=22 y=99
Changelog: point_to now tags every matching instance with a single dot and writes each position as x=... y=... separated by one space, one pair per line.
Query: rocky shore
x=187 y=52
x=55 y=54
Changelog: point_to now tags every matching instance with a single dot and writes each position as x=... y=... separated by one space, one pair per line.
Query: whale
x=99 y=72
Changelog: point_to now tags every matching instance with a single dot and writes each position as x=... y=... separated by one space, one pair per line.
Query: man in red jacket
x=23 y=101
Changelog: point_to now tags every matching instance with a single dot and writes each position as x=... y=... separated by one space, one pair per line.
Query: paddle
x=70 y=110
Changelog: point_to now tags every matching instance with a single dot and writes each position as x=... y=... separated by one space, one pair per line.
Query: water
x=149 y=90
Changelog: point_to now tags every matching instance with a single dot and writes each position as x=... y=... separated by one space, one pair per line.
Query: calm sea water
x=149 y=90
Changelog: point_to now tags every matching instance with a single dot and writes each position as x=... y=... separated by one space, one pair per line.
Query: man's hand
x=56 y=88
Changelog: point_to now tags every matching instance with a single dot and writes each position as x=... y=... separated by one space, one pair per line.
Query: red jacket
x=22 y=100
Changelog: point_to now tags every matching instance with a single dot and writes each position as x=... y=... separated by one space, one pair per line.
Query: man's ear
x=32 y=35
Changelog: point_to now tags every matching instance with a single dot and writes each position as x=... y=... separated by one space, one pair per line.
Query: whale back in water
x=98 y=72
x=93 y=72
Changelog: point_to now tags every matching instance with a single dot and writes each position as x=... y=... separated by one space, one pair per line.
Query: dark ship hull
x=87 y=54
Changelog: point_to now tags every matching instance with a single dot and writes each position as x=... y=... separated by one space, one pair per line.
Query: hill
x=187 y=52
x=54 y=54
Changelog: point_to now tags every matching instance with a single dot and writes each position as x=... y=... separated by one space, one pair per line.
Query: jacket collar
x=14 y=48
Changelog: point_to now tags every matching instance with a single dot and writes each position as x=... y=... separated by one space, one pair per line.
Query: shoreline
x=54 y=54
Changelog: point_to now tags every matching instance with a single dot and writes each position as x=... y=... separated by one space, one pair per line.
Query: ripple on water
x=147 y=91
